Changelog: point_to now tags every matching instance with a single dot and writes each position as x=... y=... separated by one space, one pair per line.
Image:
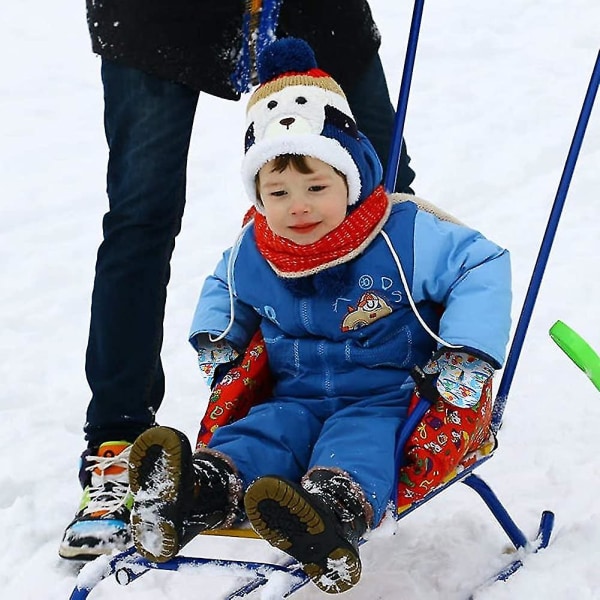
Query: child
x=346 y=287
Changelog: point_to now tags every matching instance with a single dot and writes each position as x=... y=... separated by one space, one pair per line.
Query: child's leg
x=361 y=440
x=318 y=522
x=275 y=438
x=177 y=494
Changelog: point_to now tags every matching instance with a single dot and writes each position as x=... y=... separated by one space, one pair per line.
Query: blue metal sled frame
x=129 y=566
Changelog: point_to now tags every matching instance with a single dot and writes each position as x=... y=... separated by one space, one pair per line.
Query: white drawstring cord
x=409 y=296
x=230 y=263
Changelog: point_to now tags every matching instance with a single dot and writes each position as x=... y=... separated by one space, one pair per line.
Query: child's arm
x=470 y=276
x=220 y=312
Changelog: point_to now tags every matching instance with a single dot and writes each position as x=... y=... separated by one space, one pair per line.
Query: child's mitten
x=460 y=376
x=215 y=360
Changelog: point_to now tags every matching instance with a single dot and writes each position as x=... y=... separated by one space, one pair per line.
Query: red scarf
x=340 y=245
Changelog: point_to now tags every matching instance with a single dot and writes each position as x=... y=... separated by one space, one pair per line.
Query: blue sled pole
x=409 y=63
x=542 y=259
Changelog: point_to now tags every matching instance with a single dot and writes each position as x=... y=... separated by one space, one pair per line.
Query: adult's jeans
x=374 y=113
x=148 y=123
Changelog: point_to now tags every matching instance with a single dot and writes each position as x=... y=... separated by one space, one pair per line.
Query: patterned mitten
x=460 y=376
x=215 y=359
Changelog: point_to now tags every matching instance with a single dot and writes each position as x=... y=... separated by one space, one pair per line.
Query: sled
x=129 y=566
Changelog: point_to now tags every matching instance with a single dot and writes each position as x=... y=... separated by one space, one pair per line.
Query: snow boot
x=101 y=524
x=177 y=494
x=319 y=523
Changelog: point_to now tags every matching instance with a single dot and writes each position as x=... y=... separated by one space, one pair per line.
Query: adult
x=156 y=58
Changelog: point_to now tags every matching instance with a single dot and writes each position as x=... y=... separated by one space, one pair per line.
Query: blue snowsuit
x=341 y=360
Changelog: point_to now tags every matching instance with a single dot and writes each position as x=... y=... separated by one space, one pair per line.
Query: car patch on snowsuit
x=369 y=309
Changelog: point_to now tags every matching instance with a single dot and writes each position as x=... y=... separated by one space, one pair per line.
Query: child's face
x=303 y=207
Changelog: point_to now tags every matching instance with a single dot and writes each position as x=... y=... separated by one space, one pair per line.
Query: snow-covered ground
x=496 y=94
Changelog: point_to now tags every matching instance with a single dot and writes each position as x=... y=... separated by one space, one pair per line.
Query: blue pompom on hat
x=285 y=56
x=300 y=109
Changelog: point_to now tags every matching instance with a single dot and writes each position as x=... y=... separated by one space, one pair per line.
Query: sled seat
x=467 y=464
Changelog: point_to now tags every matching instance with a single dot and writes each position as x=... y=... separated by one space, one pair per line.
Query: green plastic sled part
x=578 y=350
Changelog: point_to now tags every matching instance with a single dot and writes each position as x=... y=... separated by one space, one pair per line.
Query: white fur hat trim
x=318 y=146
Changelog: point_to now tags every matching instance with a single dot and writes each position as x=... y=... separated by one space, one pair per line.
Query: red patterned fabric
x=341 y=244
x=440 y=442
x=242 y=387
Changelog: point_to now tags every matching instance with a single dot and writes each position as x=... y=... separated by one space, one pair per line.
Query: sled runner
x=129 y=566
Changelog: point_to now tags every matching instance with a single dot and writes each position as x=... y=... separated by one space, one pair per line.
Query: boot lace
x=107 y=492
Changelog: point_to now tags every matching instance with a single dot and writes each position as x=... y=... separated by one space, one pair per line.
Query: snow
x=496 y=94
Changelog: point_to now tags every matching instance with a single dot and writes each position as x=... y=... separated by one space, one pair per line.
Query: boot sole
x=157 y=460
x=282 y=513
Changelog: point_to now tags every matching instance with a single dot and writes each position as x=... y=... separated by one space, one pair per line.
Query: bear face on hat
x=299 y=109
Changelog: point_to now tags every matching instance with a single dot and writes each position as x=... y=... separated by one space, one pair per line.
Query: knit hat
x=300 y=109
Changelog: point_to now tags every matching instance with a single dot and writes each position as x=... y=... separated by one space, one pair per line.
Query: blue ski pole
x=542 y=259
x=409 y=62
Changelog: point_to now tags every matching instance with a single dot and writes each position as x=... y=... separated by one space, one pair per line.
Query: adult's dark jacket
x=196 y=42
